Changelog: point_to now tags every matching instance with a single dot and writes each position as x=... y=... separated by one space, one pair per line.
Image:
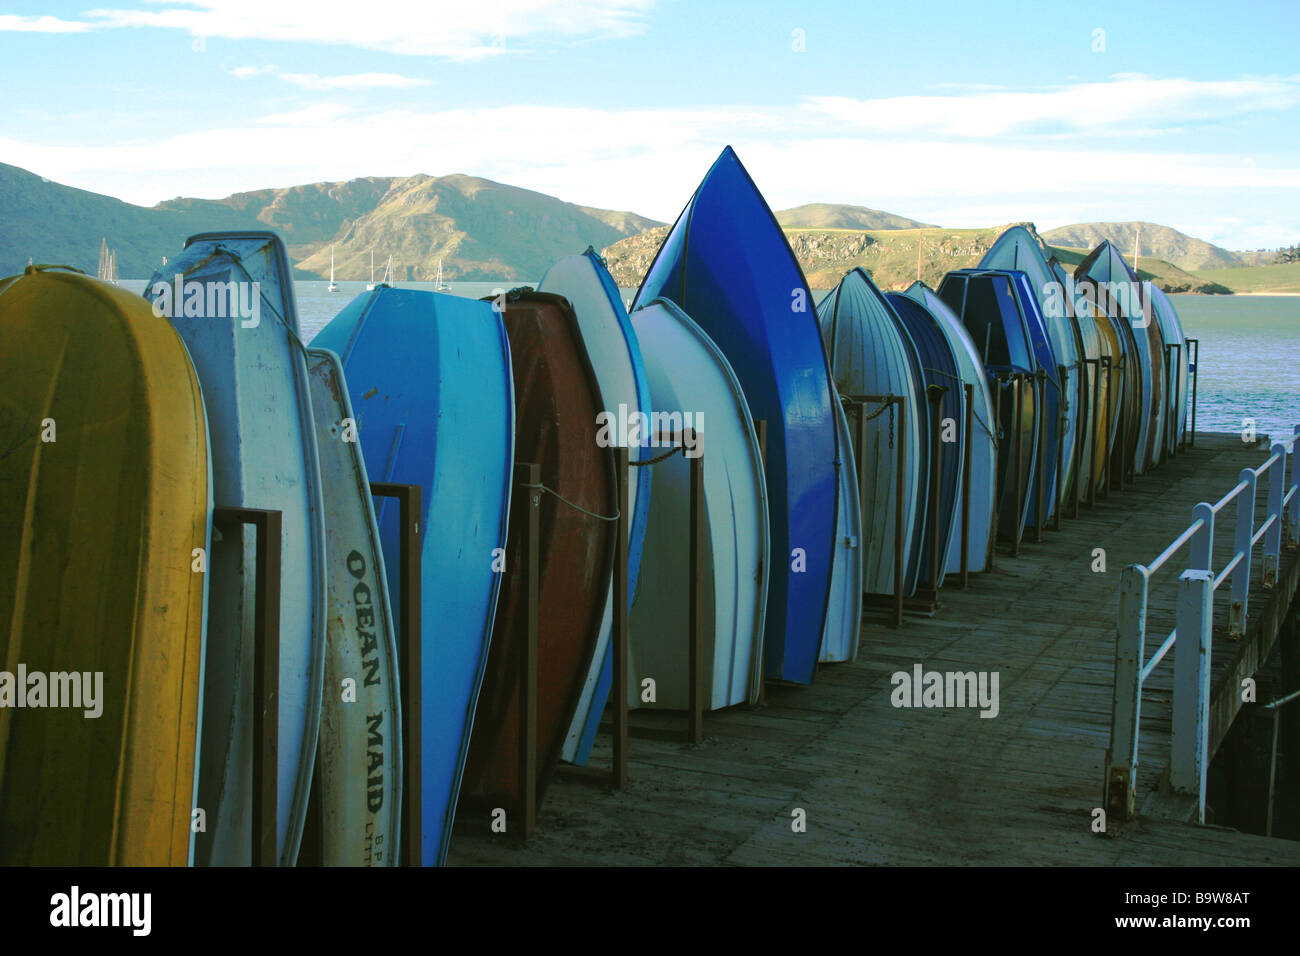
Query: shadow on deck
x=890 y=785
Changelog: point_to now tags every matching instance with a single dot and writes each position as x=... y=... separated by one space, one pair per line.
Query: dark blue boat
x=939 y=371
x=727 y=264
x=430 y=381
x=987 y=304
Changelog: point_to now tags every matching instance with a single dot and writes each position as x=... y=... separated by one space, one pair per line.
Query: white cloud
x=246 y=71
x=650 y=160
x=1127 y=104
x=12 y=23
x=353 y=81
x=443 y=28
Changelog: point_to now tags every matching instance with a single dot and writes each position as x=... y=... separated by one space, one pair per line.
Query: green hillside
x=480 y=229
x=890 y=256
x=1283 y=278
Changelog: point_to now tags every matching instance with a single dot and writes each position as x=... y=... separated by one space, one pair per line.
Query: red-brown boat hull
x=556 y=402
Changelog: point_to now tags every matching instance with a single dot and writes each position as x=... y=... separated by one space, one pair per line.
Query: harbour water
x=1249 y=347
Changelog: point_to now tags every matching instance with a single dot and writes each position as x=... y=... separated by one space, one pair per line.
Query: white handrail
x=1191 y=638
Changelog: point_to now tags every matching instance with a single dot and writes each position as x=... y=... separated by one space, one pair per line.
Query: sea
x=1248 y=369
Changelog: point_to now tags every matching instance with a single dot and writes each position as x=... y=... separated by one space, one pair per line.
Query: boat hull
x=983 y=440
x=557 y=399
x=359 y=762
x=254 y=378
x=429 y=379
x=107 y=483
x=727 y=264
x=611 y=344
x=688 y=373
x=872 y=354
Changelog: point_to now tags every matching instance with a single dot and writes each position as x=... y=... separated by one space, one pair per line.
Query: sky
x=950 y=112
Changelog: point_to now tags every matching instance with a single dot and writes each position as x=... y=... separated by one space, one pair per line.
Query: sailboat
x=439 y=285
x=107 y=262
x=371 y=284
x=388 y=273
x=333 y=286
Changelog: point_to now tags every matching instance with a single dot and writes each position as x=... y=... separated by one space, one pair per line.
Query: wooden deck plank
x=887 y=785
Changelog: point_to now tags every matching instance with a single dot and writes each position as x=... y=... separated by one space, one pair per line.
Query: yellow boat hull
x=98 y=531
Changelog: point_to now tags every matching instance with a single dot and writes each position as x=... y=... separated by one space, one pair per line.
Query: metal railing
x=1190 y=640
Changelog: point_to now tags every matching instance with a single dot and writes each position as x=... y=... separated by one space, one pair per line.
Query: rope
x=559 y=497
x=654 y=461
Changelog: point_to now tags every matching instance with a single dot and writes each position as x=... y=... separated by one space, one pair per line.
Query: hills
x=1160 y=242
x=829 y=216
x=480 y=229
x=485 y=230
x=890 y=256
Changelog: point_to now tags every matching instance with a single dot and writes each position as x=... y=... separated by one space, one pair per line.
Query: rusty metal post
x=696 y=600
x=967 y=452
x=899 y=511
x=530 y=476
x=267 y=527
x=410 y=660
x=618 y=686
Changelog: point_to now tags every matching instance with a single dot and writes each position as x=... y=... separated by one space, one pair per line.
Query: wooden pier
x=889 y=785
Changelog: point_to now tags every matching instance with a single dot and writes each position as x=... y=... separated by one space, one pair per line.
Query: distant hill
x=829 y=216
x=888 y=255
x=479 y=228
x=1159 y=242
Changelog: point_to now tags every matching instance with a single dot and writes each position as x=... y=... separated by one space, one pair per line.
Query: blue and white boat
x=430 y=383
x=1016 y=249
x=611 y=344
x=872 y=354
x=941 y=375
x=983 y=438
x=359 y=760
x=727 y=264
x=991 y=310
x=689 y=375
x=844 y=608
x=230 y=296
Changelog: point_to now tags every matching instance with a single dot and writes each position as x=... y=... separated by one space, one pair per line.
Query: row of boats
x=126 y=421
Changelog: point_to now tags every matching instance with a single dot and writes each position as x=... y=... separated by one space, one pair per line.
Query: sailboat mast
x=1137 y=245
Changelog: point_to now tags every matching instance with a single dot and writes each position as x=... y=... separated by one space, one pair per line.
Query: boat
x=370 y=286
x=107 y=270
x=97 y=545
x=389 y=278
x=557 y=400
x=1171 y=328
x=1106 y=381
x=439 y=285
x=333 y=286
x=872 y=354
x=611 y=345
x=245 y=346
x=987 y=305
x=429 y=379
x=1017 y=249
x=727 y=264
x=842 y=627
x=983 y=438
x=1122 y=296
x=359 y=761
x=942 y=378
x=688 y=372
